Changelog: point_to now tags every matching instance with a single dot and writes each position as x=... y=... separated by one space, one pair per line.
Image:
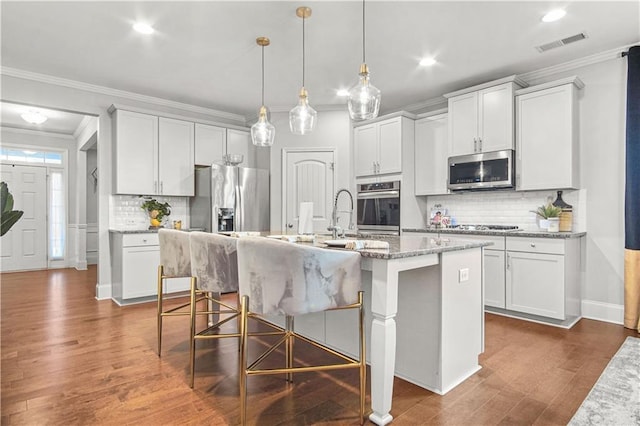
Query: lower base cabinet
x=135 y=260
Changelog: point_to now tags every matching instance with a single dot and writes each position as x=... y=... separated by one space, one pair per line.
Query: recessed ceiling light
x=33 y=117
x=427 y=62
x=143 y=28
x=554 y=15
x=343 y=92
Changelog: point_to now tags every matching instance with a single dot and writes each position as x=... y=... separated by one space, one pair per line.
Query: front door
x=25 y=245
x=308 y=176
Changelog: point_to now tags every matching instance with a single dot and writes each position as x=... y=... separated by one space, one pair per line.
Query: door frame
x=283 y=194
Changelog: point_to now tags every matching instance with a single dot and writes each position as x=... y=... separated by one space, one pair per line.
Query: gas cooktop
x=486 y=227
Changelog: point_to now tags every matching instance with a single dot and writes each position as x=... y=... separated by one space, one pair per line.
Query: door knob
x=289 y=225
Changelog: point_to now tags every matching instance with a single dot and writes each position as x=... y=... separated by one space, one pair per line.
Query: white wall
x=333 y=130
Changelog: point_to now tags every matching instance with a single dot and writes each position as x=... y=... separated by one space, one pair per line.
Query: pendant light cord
x=262 y=75
x=363 y=34
x=303 y=58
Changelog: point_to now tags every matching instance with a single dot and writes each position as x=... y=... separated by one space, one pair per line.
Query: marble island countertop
x=500 y=233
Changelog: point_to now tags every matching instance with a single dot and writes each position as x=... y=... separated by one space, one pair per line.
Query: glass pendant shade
x=262 y=132
x=364 y=98
x=302 y=118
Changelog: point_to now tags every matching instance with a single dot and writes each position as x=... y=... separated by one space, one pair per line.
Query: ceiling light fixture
x=263 y=132
x=427 y=62
x=554 y=15
x=343 y=92
x=143 y=28
x=364 y=98
x=302 y=118
x=34 y=117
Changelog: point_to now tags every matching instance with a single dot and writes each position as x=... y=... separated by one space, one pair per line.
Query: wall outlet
x=463 y=275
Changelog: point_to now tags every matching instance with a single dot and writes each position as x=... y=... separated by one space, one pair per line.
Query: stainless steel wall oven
x=379 y=208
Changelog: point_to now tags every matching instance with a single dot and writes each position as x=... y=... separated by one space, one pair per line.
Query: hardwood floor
x=70 y=359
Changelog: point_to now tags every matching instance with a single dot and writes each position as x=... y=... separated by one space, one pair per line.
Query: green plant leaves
x=9 y=216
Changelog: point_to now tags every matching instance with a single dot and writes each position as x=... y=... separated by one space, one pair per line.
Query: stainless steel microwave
x=487 y=170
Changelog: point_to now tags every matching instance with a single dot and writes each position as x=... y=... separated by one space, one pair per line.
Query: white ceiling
x=204 y=53
x=62 y=122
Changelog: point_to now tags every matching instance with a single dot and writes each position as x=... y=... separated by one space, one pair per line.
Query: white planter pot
x=543 y=224
x=554 y=224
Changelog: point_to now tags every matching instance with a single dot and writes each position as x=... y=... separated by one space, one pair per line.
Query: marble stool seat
x=288 y=279
x=175 y=262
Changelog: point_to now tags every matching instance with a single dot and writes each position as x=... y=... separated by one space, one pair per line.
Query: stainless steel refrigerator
x=230 y=198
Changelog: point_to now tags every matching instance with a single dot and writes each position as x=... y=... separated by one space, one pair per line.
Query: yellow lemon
x=155 y=222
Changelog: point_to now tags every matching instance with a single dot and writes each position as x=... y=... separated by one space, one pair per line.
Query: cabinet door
x=210 y=143
x=494 y=278
x=431 y=152
x=136 y=152
x=365 y=140
x=496 y=116
x=463 y=123
x=546 y=158
x=140 y=271
x=390 y=146
x=239 y=142
x=535 y=284
x=175 y=165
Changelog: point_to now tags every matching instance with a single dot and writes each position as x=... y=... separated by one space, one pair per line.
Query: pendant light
x=302 y=118
x=263 y=132
x=364 y=98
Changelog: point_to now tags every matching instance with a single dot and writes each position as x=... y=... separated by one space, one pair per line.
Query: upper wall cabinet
x=431 y=153
x=153 y=155
x=546 y=135
x=378 y=146
x=481 y=118
x=213 y=142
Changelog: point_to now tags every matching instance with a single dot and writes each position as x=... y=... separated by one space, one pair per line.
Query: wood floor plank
x=67 y=358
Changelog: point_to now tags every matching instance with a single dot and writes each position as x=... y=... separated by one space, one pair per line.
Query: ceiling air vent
x=561 y=42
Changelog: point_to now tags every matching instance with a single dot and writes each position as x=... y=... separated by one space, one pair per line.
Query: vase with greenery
x=157 y=211
x=9 y=216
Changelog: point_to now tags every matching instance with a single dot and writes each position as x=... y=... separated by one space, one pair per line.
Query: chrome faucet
x=334 y=227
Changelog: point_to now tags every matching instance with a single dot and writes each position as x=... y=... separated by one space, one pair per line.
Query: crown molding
x=58 y=81
x=440 y=100
x=575 y=64
x=19 y=130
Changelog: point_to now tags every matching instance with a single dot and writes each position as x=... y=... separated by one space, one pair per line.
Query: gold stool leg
x=160 y=272
x=192 y=340
x=363 y=361
x=243 y=359
x=289 y=347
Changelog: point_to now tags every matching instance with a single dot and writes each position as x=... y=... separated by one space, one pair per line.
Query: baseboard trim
x=103 y=291
x=81 y=265
x=600 y=311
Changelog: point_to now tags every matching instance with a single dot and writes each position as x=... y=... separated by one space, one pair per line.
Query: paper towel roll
x=305 y=218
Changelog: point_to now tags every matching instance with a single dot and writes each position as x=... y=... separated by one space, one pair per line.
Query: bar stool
x=214 y=266
x=175 y=262
x=281 y=278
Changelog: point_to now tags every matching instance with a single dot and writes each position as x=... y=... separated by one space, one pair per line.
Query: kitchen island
x=424 y=315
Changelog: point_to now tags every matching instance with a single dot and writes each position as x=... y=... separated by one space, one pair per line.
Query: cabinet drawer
x=535 y=245
x=137 y=240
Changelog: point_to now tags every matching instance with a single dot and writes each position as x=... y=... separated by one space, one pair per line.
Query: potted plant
x=157 y=211
x=9 y=216
x=549 y=217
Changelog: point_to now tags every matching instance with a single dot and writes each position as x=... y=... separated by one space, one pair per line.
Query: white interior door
x=308 y=176
x=25 y=245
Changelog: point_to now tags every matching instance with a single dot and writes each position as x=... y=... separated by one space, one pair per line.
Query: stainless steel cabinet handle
x=508 y=261
x=533 y=244
x=479 y=144
x=475 y=145
x=378 y=166
x=155 y=186
x=289 y=225
x=161 y=187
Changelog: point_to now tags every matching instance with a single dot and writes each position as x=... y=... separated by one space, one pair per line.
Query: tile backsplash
x=506 y=207
x=126 y=212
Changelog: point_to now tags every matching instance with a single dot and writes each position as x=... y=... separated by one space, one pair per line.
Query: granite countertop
x=516 y=233
x=147 y=231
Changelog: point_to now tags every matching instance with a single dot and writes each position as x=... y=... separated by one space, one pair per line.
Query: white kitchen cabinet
x=547 y=136
x=481 y=118
x=239 y=142
x=135 y=268
x=153 y=155
x=210 y=144
x=543 y=276
x=176 y=176
x=378 y=146
x=135 y=152
x=431 y=153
